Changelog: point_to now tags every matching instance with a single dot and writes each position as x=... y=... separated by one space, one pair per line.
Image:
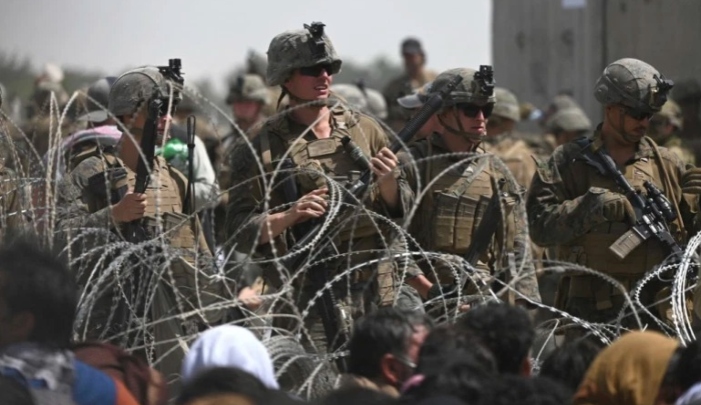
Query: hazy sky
x=213 y=36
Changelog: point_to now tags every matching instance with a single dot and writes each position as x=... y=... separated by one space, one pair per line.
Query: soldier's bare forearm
x=421 y=284
x=273 y=225
x=389 y=191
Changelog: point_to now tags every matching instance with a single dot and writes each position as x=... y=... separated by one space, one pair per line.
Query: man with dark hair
x=414 y=77
x=385 y=347
x=682 y=379
x=459 y=377
x=568 y=363
x=505 y=330
x=38 y=301
x=447 y=342
x=358 y=395
x=223 y=380
x=38 y=297
x=511 y=389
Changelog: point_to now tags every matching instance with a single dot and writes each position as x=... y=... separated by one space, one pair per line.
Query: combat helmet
x=377 y=106
x=634 y=84
x=297 y=49
x=351 y=94
x=571 y=119
x=256 y=64
x=506 y=105
x=134 y=88
x=249 y=87
x=477 y=87
x=671 y=111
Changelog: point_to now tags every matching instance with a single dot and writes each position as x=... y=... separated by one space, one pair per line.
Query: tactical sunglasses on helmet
x=471 y=110
x=315 y=71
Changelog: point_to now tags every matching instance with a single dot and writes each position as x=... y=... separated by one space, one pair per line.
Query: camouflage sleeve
x=555 y=218
x=391 y=93
x=411 y=181
x=688 y=204
x=525 y=279
x=244 y=214
x=77 y=206
x=12 y=194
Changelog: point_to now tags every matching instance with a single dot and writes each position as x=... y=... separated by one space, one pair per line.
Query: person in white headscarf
x=230 y=346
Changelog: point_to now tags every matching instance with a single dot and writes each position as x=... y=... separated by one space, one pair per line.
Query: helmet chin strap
x=299 y=100
x=460 y=131
x=621 y=131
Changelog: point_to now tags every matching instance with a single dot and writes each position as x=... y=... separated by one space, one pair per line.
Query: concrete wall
x=541 y=47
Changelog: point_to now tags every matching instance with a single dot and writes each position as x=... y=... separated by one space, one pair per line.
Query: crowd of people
x=395 y=356
x=338 y=244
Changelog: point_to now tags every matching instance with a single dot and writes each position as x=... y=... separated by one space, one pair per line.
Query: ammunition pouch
x=593 y=250
x=110 y=184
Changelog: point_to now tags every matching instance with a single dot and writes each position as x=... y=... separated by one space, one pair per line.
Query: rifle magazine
x=630 y=240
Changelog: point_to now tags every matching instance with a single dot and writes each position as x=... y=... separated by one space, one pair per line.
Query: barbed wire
x=107 y=266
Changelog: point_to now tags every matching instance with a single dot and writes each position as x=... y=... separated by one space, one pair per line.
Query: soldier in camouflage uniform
x=257 y=64
x=10 y=194
x=309 y=134
x=665 y=127
x=368 y=101
x=581 y=211
x=248 y=96
x=10 y=199
x=567 y=125
x=502 y=141
x=461 y=180
x=415 y=75
x=687 y=93
x=508 y=145
x=98 y=194
x=560 y=102
x=377 y=106
x=351 y=95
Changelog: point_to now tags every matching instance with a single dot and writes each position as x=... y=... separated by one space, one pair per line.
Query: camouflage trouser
x=654 y=296
x=356 y=294
x=360 y=300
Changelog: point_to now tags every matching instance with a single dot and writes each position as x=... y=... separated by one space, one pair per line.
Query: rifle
x=491 y=219
x=651 y=213
x=354 y=192
x=157 y=106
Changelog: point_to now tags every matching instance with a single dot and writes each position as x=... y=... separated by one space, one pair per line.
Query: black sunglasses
x=471 y=110
x=315 y=71
x=638 y=115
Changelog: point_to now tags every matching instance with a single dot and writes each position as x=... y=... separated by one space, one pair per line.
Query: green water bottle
x=174 y=148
